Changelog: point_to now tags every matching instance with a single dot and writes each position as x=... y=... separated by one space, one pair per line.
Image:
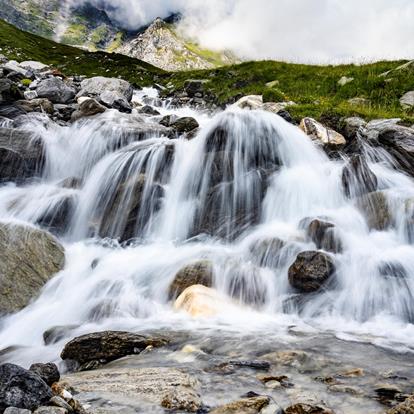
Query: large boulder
x=49 y=372
x=324 y=136
x=21 y=388
x=357 y=178
x=108 y=345
x=375 y=207
x=184 y=125
x=37 y=105
x=310 y=271
x=248 y=405
x=407 y=100
x=56 y=90
x=28 y=259
x=87 y=108
x=197 y=273
x=399 y=141
x=21 y=154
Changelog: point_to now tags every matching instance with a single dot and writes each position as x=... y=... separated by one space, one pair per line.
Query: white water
x=107 y=285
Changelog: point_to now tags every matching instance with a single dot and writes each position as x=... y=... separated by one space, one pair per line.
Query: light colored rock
x=87 y=108
x=345 y=80
x=407 y=100
x=33 y=66
x=50 y=410
x=14 y=410
x=56 y=90
x=28 y=259
x=30 y=95
x=359 y=101
x=250 y=102
x=97 y=86
x=251 y=405
x=406 y=407
x=321 y=134
x=272 y=84
x=13 y=66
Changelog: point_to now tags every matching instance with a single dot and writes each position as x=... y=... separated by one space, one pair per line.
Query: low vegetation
x=372 y=90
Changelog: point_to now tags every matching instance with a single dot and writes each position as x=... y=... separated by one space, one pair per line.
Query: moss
x=26 y=82
x=75 y=34
x=273 y=95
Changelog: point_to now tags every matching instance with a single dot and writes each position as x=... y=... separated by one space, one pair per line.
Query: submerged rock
x=376 y=210
x=310 y=271
x=108 y=345
x=197 y=273
x=21 y=388
x=28 y=259
x=266 y=252
x=250 y=405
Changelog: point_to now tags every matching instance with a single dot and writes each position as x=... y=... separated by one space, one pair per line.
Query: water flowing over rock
x=108 y=346
x=357 y=177
x=21 y=388
x=376 y=209
x=29 y=258
x=311 y=271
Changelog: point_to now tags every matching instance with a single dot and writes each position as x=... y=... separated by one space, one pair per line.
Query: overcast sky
x=321 y=31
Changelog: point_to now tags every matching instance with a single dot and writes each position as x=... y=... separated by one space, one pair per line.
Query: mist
x=317 y=31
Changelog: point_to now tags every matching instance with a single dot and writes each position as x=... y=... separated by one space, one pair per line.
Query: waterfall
x=133 y=207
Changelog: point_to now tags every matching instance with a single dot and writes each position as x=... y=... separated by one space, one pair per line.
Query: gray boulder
x=352 y=126
x=28 y=259
x=21 y=388
x=87 y=108
x=33 y=66
x=407 y=100
x=48 y=372
x=310 y=271
x=55 y=90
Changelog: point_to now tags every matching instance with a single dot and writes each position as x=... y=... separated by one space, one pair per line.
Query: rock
x=387 y=391
x=29 y=95
x=325 y=136
x=301 y=408
x=286 y=116
x=376 y=210
x=184 y=125
x=55 y=90
x=28 y=259
x=65 y=112
x=406 y=407
x=142 y=385
x=375 y=127
x=199 y=300
x=399 y=142
x=194 y=86
x=108 y=345
x=9 y=92
x=358 y=101
x=182 y=399
x=48 y=372
x=33 y=66
x=250 y=102
x=407 y=100
x=251 y=405
x=60 y=402
x=87 y=108
x=168 y=120
x=197 y=273
x=323 y=234
x=97 y=86
x=345 y=80
x=113 y=100
x=148 y=110
x=266 y=252
x=13 y=67
x=310 y=271
x=21 y=388
x=357 y=178
x=352 y=126
x=51 y=410
x=37 y=105
x=14 y=410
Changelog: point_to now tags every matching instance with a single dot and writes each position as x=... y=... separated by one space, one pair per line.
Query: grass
x=315 y=89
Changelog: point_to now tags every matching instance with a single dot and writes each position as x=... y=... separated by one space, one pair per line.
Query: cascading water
x=133 y=208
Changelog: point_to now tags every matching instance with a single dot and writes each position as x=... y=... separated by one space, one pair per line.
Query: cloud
x=320 y=31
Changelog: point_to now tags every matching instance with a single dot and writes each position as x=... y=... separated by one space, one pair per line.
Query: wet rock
x=64 y=112
x=144 y=385
x=266 y=252
x=323 y=234
x=71 y=182
x=182 y=399
x=28 y=259
x=57 y=333
x=286 y=116
x=251 y=405
x=48 y=372
x=9 y=92
x=167 y=120
x=327 y=137
x=345 y=389
x=21 y=154
x=376 y=210
x=21 y=388
x=407 y=100
x=357 y=178
x=50 y=410
x=387 y=391
x=148 y=110
x=301 y=408
x=392 y=270
x=60 y=402
x=37 y=105
x=88 y=108
x=108 y=345
x=399 y=142
x=185 y=125
x=406 y=407
x=352 y=126
x=197 y=273
x=56 y=90
x=310 y=271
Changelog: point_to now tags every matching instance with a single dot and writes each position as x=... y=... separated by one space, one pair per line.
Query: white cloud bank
x=320 y=31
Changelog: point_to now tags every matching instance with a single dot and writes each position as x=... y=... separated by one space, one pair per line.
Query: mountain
x=89 y=27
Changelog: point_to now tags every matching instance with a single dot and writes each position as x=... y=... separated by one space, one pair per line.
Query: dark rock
x=71 y=182
x=352 y=127
x=87 y=108
x=64 y=112
x=9 y=92
x=57 y=333
x=286 y=116
x=249 y=405
x=108 y=345
x=148 y=110
x=323 y=234
x=56 y=90
x=197 y=273
x=310 y=271
x=28 y=259
x=195 y=86
x=392 y=270
x=21 y=388
x=301 y=408
x=168 y=120
x=11 y=111
x=357 y=178
x=183 y=125
x=49 y=372
x=376 y=210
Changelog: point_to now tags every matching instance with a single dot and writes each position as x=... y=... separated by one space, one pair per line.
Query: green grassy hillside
x=314 y=88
